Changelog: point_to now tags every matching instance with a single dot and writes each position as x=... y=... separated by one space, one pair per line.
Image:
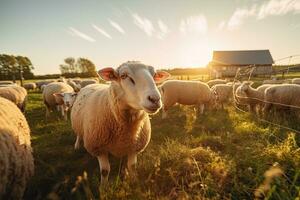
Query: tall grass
x=222 y=154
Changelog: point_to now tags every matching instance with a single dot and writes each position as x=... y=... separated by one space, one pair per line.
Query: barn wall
x=230 y=71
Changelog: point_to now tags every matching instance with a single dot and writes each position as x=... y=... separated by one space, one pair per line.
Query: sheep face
x=137 y=82
x=68 y=98
x=246 y=86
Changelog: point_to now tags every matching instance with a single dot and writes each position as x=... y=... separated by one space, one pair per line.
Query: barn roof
x=245 y=57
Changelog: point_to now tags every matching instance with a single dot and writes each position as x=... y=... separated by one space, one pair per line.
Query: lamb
x=287 y=94
x=76 y=87
x=296 y=81
x=114 y=118
x=186 y=93
x=58 y=94
x=216 y=81
x=223 y=92
x=29 y=86
x=87 y=82
x=254 y=97
x=16 y=158
x=15 y=94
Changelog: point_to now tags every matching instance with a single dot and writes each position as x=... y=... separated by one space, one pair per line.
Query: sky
x=162 y=33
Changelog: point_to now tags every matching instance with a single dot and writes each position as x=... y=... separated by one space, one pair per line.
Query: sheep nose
x=153 y=99
x=67 y=103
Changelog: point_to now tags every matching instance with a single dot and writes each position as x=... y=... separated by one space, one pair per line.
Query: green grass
x=222 y=154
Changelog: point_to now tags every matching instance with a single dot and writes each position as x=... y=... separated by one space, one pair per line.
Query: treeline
x=81 y=67
x=14 y=67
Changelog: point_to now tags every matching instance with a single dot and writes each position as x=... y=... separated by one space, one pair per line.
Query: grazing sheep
x=60 y=95
x=16 y=160
x=39 y=84
x=29 y=86
x=223 y=92
x=76 y=87
x=15 y=94
x=296 y=81
x=254 y=97
x=6 y=83
x=215 y=82
x=114 y=118
x=275 y=81
x=62 y=79
x=86 y=82
x=186 y=93
x=77 y=80
x=287 y=94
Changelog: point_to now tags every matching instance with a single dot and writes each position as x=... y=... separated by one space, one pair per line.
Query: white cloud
x=116 y=26
x=103 y=32
x=144 y=24
x=84 y=36
x=278 y=7
x=266 y=9
x=239 y=16
x=163 y=29
x=196 y=24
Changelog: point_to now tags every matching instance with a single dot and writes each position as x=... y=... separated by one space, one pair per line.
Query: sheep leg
x=266 y=109
x=131 y=165
x=201 y=107
x=65 y=115
x=58 y=108
x=77 y=143
x=104 y=168
x=63 y=112
x=47 y=112
x=164 y=112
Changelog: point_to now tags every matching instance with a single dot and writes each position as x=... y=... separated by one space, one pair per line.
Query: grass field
x=222 y=154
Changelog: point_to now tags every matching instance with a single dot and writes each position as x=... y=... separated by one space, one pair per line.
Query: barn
x=226 y=63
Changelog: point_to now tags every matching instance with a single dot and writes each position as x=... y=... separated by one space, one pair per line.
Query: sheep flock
x=114 y=118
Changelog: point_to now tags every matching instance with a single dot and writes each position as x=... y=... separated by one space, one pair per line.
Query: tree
x=87 y=66
x=12 y=67
x=81 y=66
x=25 y=67
x=9 y=65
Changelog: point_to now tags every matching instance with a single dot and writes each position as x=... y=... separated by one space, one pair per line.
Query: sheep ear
x=108 y=74
x=58 y=94
x=161 y=76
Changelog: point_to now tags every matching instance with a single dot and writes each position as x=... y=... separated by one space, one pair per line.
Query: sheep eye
x=132 y=81
x=123 y=76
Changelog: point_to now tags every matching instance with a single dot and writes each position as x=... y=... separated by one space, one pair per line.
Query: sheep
x=254 y=97
x=15 y=94
x=223 y=92
x=114 y=118
x=39 y=84
x=287 y=94
x=29 y=86
x=16 y=158
x=58 y=94
x=86 y=82
x=296 y=81
x=186 y=93
x=75 y=86
x=275 y=81
x=6 y=83
x=216 y=81
x=77 y=80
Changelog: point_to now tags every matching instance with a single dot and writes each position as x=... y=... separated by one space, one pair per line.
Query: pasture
x=223 y=154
